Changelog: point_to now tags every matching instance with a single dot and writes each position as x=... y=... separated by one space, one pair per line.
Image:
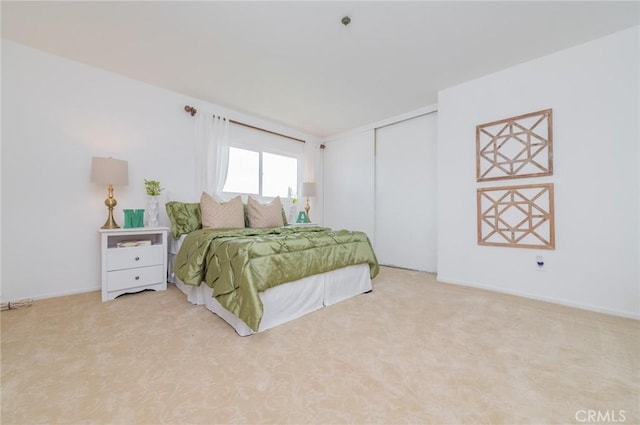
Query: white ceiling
x=295 y=63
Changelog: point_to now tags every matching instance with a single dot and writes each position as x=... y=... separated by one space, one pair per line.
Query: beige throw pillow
x=228 y=215
x=269 y=215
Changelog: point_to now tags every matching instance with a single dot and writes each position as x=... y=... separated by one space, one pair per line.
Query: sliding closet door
x=405 y=194
x=348 y=168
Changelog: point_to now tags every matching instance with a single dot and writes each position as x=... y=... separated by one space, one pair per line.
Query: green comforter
x=240 y=263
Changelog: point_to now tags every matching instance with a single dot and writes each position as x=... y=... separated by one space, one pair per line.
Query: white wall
x=57 y=114
x=594 y=92
x=349 y=168
x=381 y=179
x=349 y=183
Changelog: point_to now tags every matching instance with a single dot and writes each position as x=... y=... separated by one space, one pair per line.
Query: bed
x=258 y=278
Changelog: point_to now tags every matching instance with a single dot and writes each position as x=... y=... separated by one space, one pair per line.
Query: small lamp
x=308 y=190
x=110 y=171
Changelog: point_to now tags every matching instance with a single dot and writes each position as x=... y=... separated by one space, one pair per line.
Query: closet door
x=348 y=169
x=405 y=194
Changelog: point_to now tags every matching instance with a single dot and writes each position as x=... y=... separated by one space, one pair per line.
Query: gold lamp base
x=307 y=207
x=110 y=202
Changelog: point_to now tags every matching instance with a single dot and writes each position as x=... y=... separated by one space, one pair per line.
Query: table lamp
x=111 y=172
x=308 y=190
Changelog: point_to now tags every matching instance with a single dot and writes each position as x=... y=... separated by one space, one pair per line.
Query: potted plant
x=153 y=189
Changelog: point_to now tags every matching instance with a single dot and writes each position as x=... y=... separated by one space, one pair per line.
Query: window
x=243 y=175
x=261 y=173
x=279 y=175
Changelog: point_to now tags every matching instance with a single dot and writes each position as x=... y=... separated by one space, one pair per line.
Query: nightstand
x=133 y=260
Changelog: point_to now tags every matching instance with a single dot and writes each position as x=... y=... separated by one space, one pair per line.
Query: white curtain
x=211 y=134
x=312 y=172
x=219 y=155
x=311 y=162
x=200 y=152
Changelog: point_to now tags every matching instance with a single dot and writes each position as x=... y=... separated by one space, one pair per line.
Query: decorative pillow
x=269 y=215
x=246 y=216
x=228 y=215
x=184 y=217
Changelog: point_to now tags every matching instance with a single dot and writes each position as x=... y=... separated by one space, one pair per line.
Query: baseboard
x=56 y=294
x=588 y=307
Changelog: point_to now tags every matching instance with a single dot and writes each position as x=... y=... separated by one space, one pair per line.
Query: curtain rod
x=192 y=111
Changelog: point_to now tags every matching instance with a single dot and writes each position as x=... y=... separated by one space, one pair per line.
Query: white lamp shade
x=309 y=189
x=109 y=171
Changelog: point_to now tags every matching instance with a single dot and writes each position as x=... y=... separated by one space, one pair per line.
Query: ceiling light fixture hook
x=345 y=20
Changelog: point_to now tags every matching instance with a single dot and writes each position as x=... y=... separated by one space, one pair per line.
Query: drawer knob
x=137 y=277
x=137 y=258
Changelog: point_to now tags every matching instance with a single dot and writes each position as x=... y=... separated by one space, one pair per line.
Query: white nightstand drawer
x=131 y=278
x=140 y=256
x=134 y=268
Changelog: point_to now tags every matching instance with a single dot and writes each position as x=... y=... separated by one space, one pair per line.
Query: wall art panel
x=516 y=216
x=515 y=147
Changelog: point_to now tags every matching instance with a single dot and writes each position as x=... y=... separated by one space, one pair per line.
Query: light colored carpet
x=412 y=351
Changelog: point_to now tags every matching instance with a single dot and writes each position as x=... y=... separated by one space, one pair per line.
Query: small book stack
x=130 y=244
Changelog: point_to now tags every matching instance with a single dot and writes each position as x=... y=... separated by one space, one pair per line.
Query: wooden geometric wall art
x=515 y=147
x=516 y=216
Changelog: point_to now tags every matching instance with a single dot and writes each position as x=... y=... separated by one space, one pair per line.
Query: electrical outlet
x=540 y=266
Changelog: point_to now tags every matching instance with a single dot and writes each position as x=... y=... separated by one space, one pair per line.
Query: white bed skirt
x=285 y=302
x=289 y=301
